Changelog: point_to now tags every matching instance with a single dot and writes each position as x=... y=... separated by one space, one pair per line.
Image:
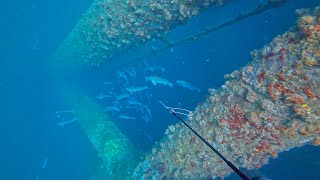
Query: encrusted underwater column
x=117 y=155
x=110 y=27
x=269 y=106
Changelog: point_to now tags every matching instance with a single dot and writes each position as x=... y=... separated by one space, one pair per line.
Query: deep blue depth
x=30 y=33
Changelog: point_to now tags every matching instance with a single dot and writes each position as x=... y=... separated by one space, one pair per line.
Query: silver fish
x=102 y=96
x=62 y=124
x=44 y=163
x=111 y=108
x=187 y=85
x=122 y=96
x=159 y=80
x=136 y=89
x=134 y=102
x=125 y=117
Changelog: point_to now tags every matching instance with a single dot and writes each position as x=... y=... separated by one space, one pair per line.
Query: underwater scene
x=160 y=90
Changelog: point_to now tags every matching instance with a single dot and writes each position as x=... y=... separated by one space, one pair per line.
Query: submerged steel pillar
x=117 y=155
x=269 y=106
x=110 y=27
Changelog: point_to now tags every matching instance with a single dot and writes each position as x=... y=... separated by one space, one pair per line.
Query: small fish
x=125 y=117
x=134 y=102
x=59 y=113
x=44 y=163
x=136 y=89
x=62 y=124
x=122 y=96
x=187 y=85
x=148 y=111
x=102 y=96
x=123 y=76
x=35 y=42
x=110 y=108
x=159 y=80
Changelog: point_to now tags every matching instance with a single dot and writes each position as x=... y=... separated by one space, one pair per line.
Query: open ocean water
x=34 y=146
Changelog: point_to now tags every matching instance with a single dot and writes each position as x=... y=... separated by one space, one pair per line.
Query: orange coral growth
x=270 y=93
x=261 y=75
x=295 y=99
x=282 y=50
x=299 y=110
x=278 y=87
x=308 y=32
x=289 y=132
x=317 y=129
x=274 y=136
x=304 y=77
x=223 y=122
x=256 y=125
x=281 y=57
x=274 y=154
x=307 y=92
x=291 y=40
x=303 y=132
x=236 y=118
x=316 y=142
x=282 y=78
x=262 y=147
x=309 y=62
x=297 y=65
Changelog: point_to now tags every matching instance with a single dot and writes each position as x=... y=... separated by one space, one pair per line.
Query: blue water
x=32 y=30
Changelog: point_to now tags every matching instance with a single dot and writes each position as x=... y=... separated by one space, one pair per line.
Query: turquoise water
x=33 y=145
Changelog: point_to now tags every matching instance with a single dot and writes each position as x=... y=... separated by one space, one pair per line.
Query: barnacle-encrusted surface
x=269 y=106
x=111 y=27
